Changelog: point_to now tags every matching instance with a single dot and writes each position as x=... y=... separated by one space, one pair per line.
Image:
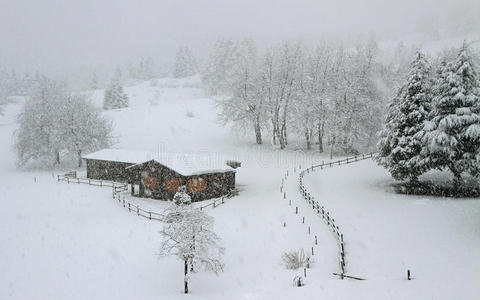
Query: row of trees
x=326 y=93
x=434 y=120
x=54 y=121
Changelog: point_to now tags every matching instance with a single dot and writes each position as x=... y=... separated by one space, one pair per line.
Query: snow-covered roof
x=186 y=164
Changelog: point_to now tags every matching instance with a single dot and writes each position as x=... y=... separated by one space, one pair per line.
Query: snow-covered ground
x=61 y=241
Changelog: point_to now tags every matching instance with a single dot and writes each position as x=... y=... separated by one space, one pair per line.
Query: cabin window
x=172 y=184
x=150 y=183
x=196 y=185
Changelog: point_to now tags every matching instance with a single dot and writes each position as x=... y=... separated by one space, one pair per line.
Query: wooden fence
x=119 y=188
x=323 y=212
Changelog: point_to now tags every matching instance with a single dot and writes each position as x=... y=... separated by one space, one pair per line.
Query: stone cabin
x=160 y=175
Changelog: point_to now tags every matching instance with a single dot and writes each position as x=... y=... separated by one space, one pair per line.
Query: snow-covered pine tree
x=114 y=96
x=453 y=134
x=401 y=144
x=185 y=63
x=94 y=81
x=181 y=197
x=217 y=73
x=188 y=234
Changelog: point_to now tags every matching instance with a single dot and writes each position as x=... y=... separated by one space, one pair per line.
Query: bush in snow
x=298 y=281
x=181 y=197
x=400 y=145
x=295 y=259
x=114 y=96
x=453 y=134
x=188 y=235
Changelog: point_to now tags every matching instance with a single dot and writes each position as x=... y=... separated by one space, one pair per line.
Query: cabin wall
x=107 y=170
x=216 y=185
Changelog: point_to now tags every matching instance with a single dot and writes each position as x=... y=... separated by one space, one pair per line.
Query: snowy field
x=61 y=241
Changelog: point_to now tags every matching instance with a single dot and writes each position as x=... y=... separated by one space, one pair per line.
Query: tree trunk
x=258 y=132
x=79 y=154
x=185 y=280
x=57 y=157
x=320 y=137
x=307 y=139
x=457 y=178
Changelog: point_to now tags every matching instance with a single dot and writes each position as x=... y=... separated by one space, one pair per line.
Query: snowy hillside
x=70 y=241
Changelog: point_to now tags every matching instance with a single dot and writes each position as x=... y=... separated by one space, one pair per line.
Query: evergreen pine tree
x=185 y=64
x=114 y=96
x=454 y=130
x=401 y=144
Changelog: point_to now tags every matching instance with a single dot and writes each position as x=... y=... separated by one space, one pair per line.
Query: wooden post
x=129 y=207
x=296 y=210
x=303 y=220
x=316 y=242
x=305 y=272
x=138 y=211
x=223 y=200
x=284 y=195
x=312 y=251
x=290 y=202
x=149 y=215
x=185 y=277
x=213 y=203
x=408 y=275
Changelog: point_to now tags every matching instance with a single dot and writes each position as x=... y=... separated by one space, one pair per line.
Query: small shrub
x=295 y=259
x=298 y=281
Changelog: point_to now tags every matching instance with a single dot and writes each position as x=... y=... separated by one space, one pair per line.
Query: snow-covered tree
x=401 y=142
x=37 y=137
x=453 y=134
x=181 y=197
x=114 y=96
x=82 y=128
x=188 y=234
x=244 y=106
x=217 y=74
x=52 y=120
x=185 y=63
x=94 y=81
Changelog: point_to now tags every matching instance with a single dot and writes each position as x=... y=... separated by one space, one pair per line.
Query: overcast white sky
x=50 y=34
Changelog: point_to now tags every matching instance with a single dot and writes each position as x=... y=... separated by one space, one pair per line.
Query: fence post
x=296 y=210
x=150 y=215
x=408 y=274
x=138 y=210
x=213 y=203
x=308 y=229
x=303 y=220
x=223 y=200
x=316 y=242
x=129 y=210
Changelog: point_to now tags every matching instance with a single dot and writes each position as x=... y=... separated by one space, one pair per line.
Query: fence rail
x=322 y=211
